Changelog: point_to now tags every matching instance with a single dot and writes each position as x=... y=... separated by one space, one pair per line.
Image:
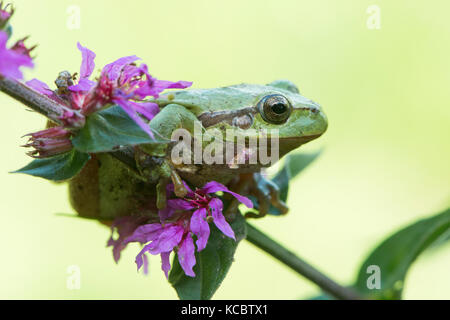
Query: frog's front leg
x=159 y=171
x=153 y=160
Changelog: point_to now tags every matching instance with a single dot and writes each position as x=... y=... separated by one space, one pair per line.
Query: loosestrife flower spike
x=11 y=60
x=121 y=83
x=176 y=234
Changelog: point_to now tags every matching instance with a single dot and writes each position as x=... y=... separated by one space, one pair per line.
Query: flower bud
x=6 y=13
x=20 y=47
x=49 y=142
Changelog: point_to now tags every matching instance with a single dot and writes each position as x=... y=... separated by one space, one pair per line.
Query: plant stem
x=33 y=99
x=262 y=241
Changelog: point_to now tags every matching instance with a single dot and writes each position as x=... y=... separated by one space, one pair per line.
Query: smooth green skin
x=113 y=189
x=227 y=99
x=182 y=109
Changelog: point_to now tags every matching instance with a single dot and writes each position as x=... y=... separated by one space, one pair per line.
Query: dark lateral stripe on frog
x=209 y=119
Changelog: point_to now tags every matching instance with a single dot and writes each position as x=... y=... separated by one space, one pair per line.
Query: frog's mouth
x=288 y=144
x=302 y=139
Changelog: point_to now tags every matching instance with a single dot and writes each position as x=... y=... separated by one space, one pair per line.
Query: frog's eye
x=275 y=108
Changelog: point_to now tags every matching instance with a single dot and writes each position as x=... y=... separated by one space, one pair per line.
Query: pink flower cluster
x=182 y=220
x=12 y=59
x=121 y=82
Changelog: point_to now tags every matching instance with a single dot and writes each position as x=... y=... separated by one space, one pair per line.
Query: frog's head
x=249 y=110
x=297 y=119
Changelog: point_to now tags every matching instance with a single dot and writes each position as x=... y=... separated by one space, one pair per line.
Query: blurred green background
x=386 y=154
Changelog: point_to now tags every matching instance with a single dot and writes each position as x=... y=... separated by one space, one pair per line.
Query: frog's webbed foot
x=267 y=194
x=169 y=174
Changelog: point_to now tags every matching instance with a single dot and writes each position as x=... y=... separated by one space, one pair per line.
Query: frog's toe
x=278 y=203
x=180 y=189
x=267 y=194
x=275 y=200
x=161 y=193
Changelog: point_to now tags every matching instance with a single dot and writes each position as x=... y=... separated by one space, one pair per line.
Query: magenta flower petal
x=39 y=86
x=147 y=109
x=145 y=233
x=87 y=61
x=186 y=256
x=145 y=258
x=168 y=239
x=180 y=204
x=140 y=257
x=165 y=263
x=128 y=108
x=179 y=85
x=213 y=187
x=83 y=85
x=165 y=213
x=153 y=87
x=200 y=227
x=130 y=74
x=114 y=69
x=125 y=227
x=219 y=220
x=11 y=61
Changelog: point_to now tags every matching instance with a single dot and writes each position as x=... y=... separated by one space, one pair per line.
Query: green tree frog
x=107 y=187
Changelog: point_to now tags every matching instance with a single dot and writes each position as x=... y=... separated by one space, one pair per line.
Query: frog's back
x=216 y=99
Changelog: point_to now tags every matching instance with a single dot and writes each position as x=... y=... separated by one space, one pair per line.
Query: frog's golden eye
x=275 y=108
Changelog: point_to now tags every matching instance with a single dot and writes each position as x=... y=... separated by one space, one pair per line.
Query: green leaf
x=108 y=129
x=321 y=296
x=293 y=165
x=395 y=255
x=57 y=168
x=212 y=265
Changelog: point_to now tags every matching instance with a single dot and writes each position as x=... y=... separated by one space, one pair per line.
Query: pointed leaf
x=57 y=168
x=110 y=128
x=395 y=255
x=212 y=265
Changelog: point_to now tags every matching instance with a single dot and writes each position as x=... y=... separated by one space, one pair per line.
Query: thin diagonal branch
x=32 y=99
x=288 y=258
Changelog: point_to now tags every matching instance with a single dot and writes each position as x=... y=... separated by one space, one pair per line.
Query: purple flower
x=49 y=142
x=121 y=82
x=44 y=89
x=124 y=83
x=206 y=208
x=163 y=239
x=125 y=226
x=86 y=69
x=12 y=59
x=153 y=87
x=182 y=219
